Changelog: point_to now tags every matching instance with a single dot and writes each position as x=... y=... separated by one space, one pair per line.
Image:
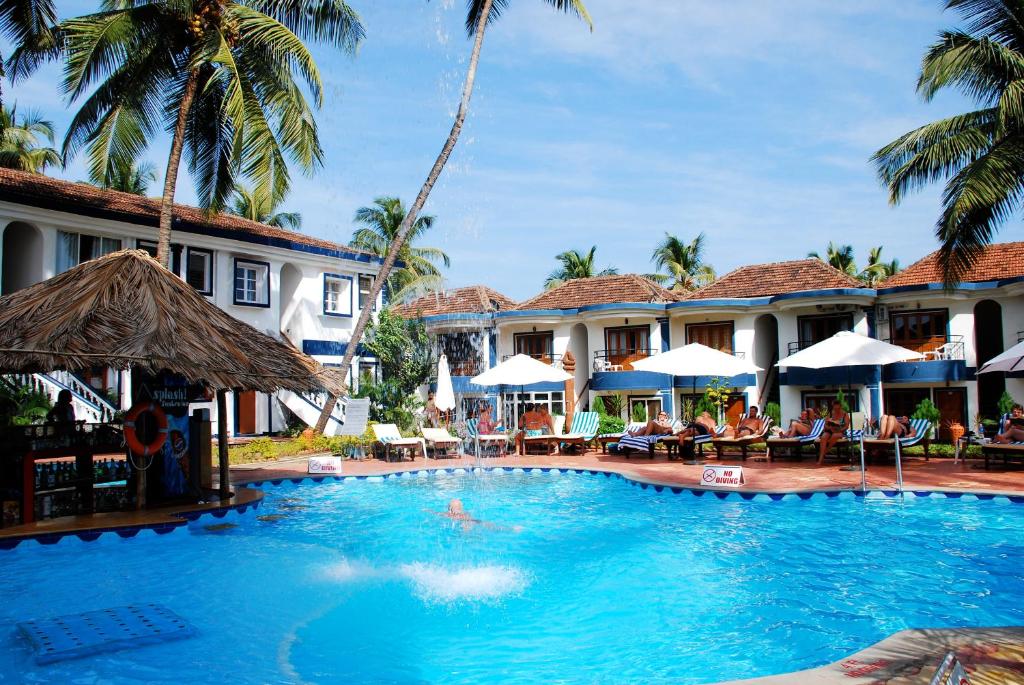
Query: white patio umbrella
x=847 y=348
x=1011 y=360
x=444 y=397
x=695 y=360
x=520 y=370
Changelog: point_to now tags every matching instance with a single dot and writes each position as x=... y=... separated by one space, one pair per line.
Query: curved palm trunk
x=414 y=210
x=163 y=244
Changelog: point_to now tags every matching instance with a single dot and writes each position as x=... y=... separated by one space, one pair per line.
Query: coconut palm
x=839 y=257
x=379 y=224
x=576 y=264
x=224 y=77
x=480 y=14
x=979 y=154
x=27 y=22
x=259 y=207
x=128 y=177
x=683 y=264
x=876 y=270
x=22 y=142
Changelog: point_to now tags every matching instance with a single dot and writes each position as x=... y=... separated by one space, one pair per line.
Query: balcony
x=554 y=360
x=465 y=367
x=936 y=347
x=620 y=360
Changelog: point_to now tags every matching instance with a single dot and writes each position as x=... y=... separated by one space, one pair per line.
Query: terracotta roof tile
x=998 y=261
x=83 y=199
x=580 y=292
x=765 y=280
x=474 y=299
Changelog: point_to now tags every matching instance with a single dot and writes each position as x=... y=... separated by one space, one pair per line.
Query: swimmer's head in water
x=455 y=507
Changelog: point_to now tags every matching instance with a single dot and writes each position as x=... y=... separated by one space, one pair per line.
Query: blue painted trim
x=461 y=316
x=629 y=380
x=234 y=290
x=826 y=292
x=211 y=276
x=977 y=285
x=739 y=302
x=279 y=243
x=933 y=371
x=330 y=348
x=639 y=306
x=492 y=349
x=836 y=376
x=351 y=285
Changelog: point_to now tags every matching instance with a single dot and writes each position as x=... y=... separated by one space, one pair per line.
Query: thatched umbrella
x=125 y=310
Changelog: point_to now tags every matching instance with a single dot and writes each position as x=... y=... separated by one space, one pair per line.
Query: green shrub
x=1005 y=403
x=599 y=407
x=639 y=412
x=705 y=404
x=927 y=410
x=773 y=410
x=610 y=424
x=841 y=397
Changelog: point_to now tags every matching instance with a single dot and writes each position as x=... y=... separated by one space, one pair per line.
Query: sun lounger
x=606 y=438
x=743 y=442
x=484 y=442
x=549 y=441
x=441 y=443
x=390 y=439
x=796 y=444
x=922 y=428
x=584 y=429
x=1006 y=452
x=698 y=441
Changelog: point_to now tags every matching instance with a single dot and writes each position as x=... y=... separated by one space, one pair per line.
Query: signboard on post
x=722 y=476
x=324 y=465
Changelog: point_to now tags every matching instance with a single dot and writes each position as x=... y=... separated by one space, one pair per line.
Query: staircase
x=89 y=405
x=307 y=407
x=769 y=391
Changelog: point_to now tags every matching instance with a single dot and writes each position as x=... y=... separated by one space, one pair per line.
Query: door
x=952 y=406
x=626 y=345
x=245 y=412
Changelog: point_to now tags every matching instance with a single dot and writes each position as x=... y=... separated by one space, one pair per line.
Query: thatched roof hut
x=124 y=309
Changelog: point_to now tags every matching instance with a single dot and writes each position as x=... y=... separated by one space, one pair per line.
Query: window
x=625 y=345
x=814 y=329
x=76 y=248
x=252 y=283
x=464 y=352
x=537 y=345
x=199 y=270
x=717 y=336
x=921 y=330
x=148 y=246
x=337 y=295
x=365 y=285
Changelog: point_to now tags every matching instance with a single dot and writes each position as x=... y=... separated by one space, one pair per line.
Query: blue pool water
x=605 y=582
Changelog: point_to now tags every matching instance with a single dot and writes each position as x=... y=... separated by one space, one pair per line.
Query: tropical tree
x=27 y=22
x=22 y=142
x=224 y=77
x=876 y=270
x=260 y=207
x=128 y=177
x=480 y=14
x=980 y=154
x=682 y=263
x=576 y=264
x=378 y=226
x=839 y=257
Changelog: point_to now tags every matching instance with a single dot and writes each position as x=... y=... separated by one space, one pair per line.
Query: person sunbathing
x=1012 y=428
x=836 y=424
x=662 y=425
x=801 y=426
x=895 y=427
x=751 y=424
x=533 y=424
x=702 y=425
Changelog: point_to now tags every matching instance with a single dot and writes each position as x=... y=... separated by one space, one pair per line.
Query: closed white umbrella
x=520 y=370
x=444 y=398
x=847 y=348
x=695 y=360
x=1011 y=360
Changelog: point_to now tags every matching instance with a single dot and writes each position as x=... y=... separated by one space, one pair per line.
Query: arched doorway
x=580 y=347
x=291 y=278
x=766 y=354
x=22 y=258
x=988 y=342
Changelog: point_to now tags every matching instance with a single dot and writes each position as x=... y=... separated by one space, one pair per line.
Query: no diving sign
x=324 y=465
x=722 y=476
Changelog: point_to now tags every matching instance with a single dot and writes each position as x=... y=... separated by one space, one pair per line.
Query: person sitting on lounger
x=702 y=425
x=532 y=424
x=801 y=426
x=1012 y=428
x=749 y=425
x=895 y=427
x=662 y=425
x=485 y=424
x=837 y=422
x=547 y=418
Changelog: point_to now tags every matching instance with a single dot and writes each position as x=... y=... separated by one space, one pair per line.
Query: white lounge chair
x=441 y=443
x=484 y=442
x=387 y=435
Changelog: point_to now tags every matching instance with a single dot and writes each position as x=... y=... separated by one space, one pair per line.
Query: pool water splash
x=441 y=584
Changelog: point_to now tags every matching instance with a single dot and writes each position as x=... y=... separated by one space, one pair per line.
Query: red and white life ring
x=131 y=437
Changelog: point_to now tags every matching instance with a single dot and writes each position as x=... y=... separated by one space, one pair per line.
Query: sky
x=751 y=121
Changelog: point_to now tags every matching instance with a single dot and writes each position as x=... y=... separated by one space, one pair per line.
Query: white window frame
x=261 y=291
x=359 y=291
x=340 y=302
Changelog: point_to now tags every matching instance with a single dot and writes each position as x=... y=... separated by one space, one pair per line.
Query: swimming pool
x=582 y=578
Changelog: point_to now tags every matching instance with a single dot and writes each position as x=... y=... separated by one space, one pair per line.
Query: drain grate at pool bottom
x=107 y=630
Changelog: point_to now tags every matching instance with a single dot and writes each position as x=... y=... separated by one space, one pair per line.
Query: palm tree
x=27 y=22
x=979 y=154
x=128 y=177
x=21 y=142
x=683 y=262
x=259 y=207
x=575 y=264
x=223 y=76
x=876 y=270
x=379 y=226
x=480 y=14
x=839 y=257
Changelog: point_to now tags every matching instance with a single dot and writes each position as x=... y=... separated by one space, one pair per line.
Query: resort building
x=762 y=312
x=294 y=287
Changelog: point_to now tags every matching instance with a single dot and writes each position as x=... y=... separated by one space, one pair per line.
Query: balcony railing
x=936 y=347
x=465 y=367
x=554 y=359
x=620 y=360
x=797 y=345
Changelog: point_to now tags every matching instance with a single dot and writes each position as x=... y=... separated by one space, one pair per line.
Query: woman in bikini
x=1012 y=429
x=895 y=427
x=801 y=426
x=836 y=424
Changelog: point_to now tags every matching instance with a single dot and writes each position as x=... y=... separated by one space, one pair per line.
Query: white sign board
x=951 y=672
x=722 y=476
x=324 y=465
